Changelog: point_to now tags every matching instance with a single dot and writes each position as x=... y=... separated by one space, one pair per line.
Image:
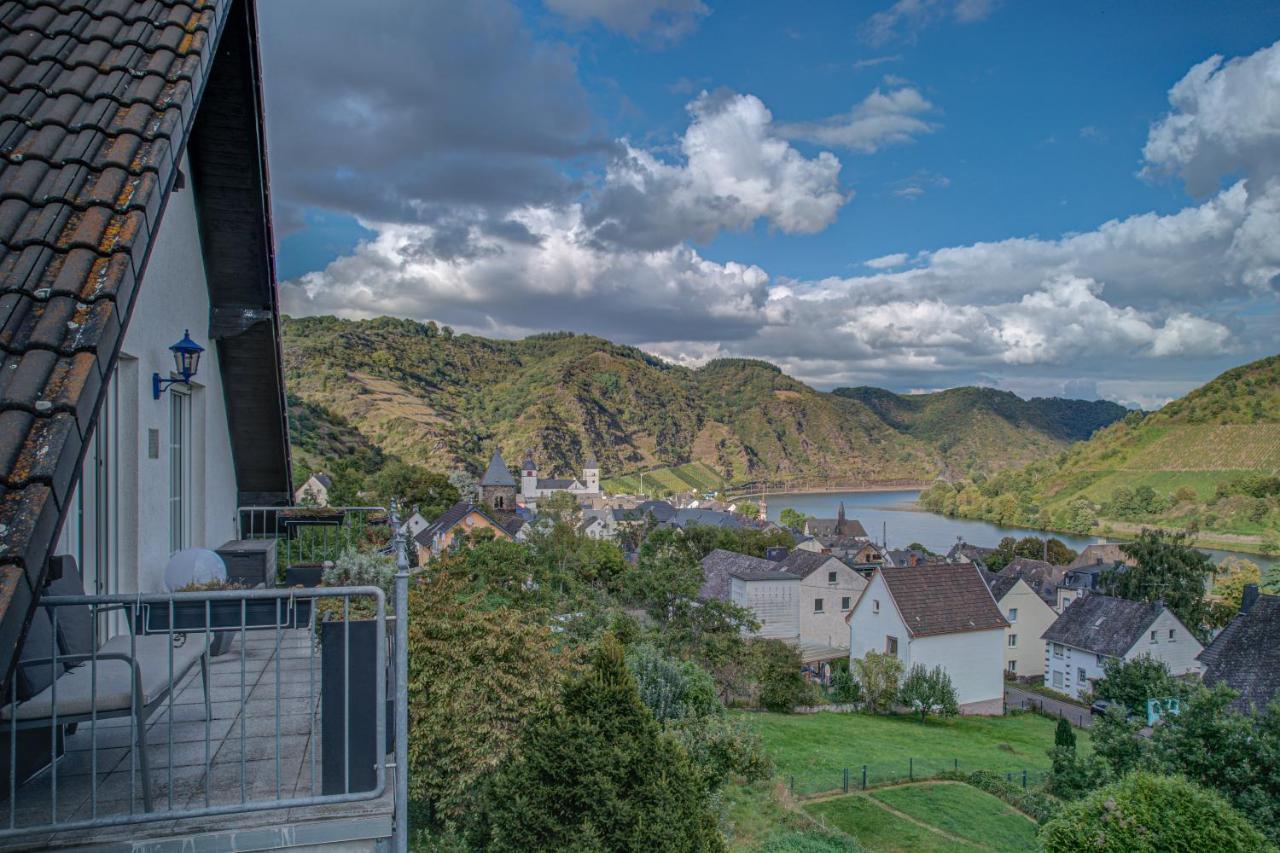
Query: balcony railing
x=308 y=537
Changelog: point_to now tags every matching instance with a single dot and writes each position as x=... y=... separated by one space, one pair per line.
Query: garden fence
x=860 y=777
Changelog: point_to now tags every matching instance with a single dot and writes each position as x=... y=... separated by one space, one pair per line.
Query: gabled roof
x=323 y=479
x=554 y=483
x=804 y=563
x=454 y=515
x=942 y=598
x=1102 y=624
x=964 y=551
x=1246 y=655
x=705 y=517
x=99 y=105
x=497 y=474
x=1100 y=554
x=1042 y=577
x=721 y=565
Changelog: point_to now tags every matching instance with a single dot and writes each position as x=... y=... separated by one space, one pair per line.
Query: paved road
x=1077 y=715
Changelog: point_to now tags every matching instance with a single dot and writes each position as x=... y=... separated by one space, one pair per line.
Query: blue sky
x=568 y=126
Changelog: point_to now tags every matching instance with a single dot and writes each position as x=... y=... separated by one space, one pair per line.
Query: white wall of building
x=875 y=618
x=1071 y=670
x=828 y=626
x=1173 y=644
x=1029 y=617
x=973 y=659
x=773 y=602
x=120 y=525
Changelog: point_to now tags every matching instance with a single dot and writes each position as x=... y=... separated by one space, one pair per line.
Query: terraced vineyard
x=695 y=476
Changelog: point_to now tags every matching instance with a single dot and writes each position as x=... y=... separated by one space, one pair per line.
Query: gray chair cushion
x=36 y=645
x=75 y=623
x=114 y=679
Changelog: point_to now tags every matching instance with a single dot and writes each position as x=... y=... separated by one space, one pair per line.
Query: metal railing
x=311 y=536
x=282 y=673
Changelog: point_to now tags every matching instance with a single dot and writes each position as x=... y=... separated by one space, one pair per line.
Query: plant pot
x=349 y=706
x=307 y=576
x=192 y=616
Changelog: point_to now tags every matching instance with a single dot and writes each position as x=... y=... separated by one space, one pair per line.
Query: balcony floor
x=205 y=764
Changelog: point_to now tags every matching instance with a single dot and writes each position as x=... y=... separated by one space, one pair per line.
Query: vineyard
x=693 y=476
x=1211 y=447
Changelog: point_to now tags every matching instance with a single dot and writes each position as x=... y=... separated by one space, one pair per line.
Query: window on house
x=817 y=605
x=1100 y=658
x=875 y=605
x=1013 y=614
x=1013 y=640
x=846 y=602
x=891 y=645
x=1057 y=650
x=1057 y=679
x=1012 y=665
x=1081 y=678
x=1172 y=638
x=831 y=577
x=179 y=470
x=1153 y=637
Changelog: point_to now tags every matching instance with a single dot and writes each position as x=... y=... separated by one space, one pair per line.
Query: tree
x=1234 y=574
x=596 y=773
x=1131 y=683
x=1148 y=812
x=411 y=485
x=1073 y=775
x=792 y=518
x=666 y=571
x=468 y=488
x=560 y=506
x=1169 y=570
x=777 y=669
x=464 y=656
x=929 y=691
x=1064 y=737
x=879 y=674
x=749 y=509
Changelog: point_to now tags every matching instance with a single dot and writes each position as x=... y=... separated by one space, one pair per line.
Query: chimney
x=1249 y=598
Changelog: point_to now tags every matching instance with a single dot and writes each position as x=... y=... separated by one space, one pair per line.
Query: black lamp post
x=186 y=361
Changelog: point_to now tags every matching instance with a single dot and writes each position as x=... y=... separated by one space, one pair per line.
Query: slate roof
x=1246 y=655
x=942 y=598
x=497 y=474
x=973 y=553
x=903 y=556
x=706 y=517
x=1102 y=624
x=323 y=479
x=804 y=563
x=454 y=515
x=1100 y=554
x=98 y=103
x=553 y=483
x=660 y=510
x=1042 y=577
x=721 y=565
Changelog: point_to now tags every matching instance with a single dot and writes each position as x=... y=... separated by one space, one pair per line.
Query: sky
x=1056 y=199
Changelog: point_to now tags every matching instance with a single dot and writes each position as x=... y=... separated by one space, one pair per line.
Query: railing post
x=402 y=684
x=911 y=769
x=1024 y=778
x=846 y=780
x=864 y=777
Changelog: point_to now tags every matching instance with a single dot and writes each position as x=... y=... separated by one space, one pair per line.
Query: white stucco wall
x=772 y=602
x=1034 y=616
x=828 y=627
x=869 y=629
x=1064 y=665
x=973 y=659
x=1178 y=651
x=173 y=296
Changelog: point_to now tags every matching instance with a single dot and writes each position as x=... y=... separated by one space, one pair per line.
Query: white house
x=1098 y=627
x=315 y=491
x=760 y=586
x=937 y=614
x=828 y=591
x=1025 y=591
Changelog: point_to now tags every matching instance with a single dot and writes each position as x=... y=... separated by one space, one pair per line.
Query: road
x=1077 y=715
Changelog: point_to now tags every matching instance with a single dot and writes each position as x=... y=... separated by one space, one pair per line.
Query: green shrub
x=1035 y=804
x=929 y=691
x=355 y=567
x=878 y=676
x=1147 y=812
x=776 y=668
x=671 y=689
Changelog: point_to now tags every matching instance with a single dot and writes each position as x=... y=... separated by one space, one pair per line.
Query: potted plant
x=349 y=687
x=226 y=615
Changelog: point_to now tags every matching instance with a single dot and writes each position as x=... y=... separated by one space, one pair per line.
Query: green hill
x=420 y=393
x=1207 y=462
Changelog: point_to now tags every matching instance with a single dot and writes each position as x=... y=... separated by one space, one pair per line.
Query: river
x=894 y=515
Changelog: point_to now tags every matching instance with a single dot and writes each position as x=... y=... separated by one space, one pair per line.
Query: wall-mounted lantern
x=186 y=361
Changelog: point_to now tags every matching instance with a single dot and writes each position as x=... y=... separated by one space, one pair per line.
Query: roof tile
x=942 y=598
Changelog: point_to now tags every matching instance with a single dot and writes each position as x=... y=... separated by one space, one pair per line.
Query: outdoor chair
x=129 y=675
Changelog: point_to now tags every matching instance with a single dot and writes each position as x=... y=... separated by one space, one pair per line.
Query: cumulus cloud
x=880 y=119
x=662 y=20
x=906 y=18
x=733 y=171
x=887 y=262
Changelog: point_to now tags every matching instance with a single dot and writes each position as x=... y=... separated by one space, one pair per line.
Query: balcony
x=269 y=729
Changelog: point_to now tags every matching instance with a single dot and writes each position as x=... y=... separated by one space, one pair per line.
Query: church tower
x=840 y=519
x=764 y=509
x=591 y=474
x=528 y=477
x=497 y=486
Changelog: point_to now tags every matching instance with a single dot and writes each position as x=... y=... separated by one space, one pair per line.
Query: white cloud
x=887 y=262
x=734 y=171
x=1225 y=121
x=663 y=20
x=880 y=119
x=873 y=61
x=906 y=18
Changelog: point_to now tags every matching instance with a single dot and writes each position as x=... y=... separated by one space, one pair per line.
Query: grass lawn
x=758 y=822
x=816 y=748
x=879 y=831
x=965 y=812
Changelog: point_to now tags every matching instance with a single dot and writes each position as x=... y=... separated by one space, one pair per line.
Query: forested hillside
x=365 y=390
x=1209 y=462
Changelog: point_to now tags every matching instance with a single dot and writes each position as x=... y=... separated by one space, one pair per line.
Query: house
x=808 y=543
x=939 y=614
x=901 y=557
x=315 y=491
x=533 y=487
x=1246 y=655
x=134 y=211
x=1098 y=627
x=1023 y=591
x=758 y=585
x=598 y=524
x=828 y=591
x=688 y=517
x=414 y=524
x=963 y=552
x=1042 y=577
x=1085 y=571
x=838 y=526
x=459 y=521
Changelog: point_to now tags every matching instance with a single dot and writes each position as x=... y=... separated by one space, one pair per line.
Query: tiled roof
x=1100 y=554
x=96 y=105
x=721 y=565
x=706 y=517
x=942 y=598
x=1042 y=577
x=452 y=516
x=803 y=563
x=1246 y=655
x=497 y=474
x=1103 y=624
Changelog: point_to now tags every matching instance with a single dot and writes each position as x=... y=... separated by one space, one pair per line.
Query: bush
x=929 y=691
x=844 y=688
x=776 y=668
x=1036 y=804
x=878 y=675
x=362 y=568
x=1148 y=812
x=672 y=689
